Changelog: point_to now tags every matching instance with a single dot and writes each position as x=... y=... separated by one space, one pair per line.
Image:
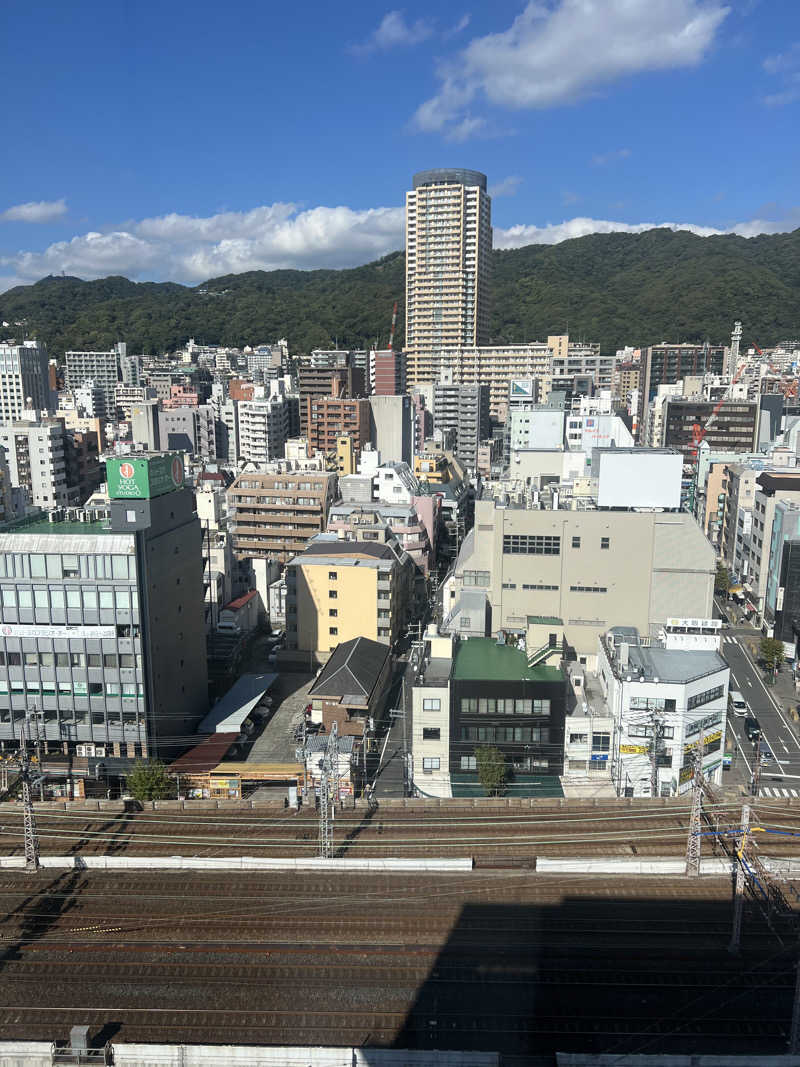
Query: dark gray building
x=464 y=411
x=102 y=634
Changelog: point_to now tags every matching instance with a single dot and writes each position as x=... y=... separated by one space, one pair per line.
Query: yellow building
x=337 y=590
x=345 y=455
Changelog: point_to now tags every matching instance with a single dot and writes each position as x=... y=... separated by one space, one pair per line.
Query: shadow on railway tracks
x=358 y=829
x=38 y=913
x=616 y=974
x=114 y=828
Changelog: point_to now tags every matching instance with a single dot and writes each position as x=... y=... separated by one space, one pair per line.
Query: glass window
x=123 y=600
x=107 y=599
x=70 y=566
x=98 y=718
x=112 y=689
x=431 y=733
x=31 y=659
x=62 y=659
x=576 y=542
x=47 y=659
x=430 y=763
x=14 y=659
x=120 y=567
x=74 y=598
x=601 y=742
x=127 y=659
x=333 y=594
x=38 y=566
x=80 y=689
x=128 y=691
x=90 y=599
x=110 y=659
x=25 y=597
x=469 y=763
x=64 y=689
x=95 y=659
x=431 y=704
x=605 y=542
x=9 y=597
x=40 y=597
x=3 y=570
x=57 y=599
x=77 y=659
x=95 y=689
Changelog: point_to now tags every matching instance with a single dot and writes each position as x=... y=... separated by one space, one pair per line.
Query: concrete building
x=772 y=487
x=188 y=429
x=34 y=448
x=734 y=429
x=583 y=358
x=328 y=418
x=590 y=569
x=387 y=372
x=391 y=426
x=400 y=520
x=464 y=410
x=315 y=381
x=337 y=590
x=276 y=514
x=102 y=622
x=666 y=364
x=625 y=380
x=102 y=368
x=536 y=427
x=263 y=426
x=24 y=380
x=476 y=692
x=83 y=470
x=448 y=256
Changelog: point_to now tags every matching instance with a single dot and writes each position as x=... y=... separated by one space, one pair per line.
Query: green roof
x=545 y=620
x=481 y=659
x=44 y=526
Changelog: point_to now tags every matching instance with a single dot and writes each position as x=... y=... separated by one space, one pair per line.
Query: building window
x=531 y=545
x=431 y=733
x=469 y=705
x=430 y=763
x=333 y=594
x=605 y=542
x=469 y=763
x=576 y=542
x=431 y=704
x=464 y=622
x=704 y=698
x=332 y=576
x=480 y=578
x=333 y=612
x=601 y=742
x=575 y=739
x=588 y=589
x=333 y=630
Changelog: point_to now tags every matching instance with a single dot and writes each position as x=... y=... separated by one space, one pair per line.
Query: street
x=782 y=777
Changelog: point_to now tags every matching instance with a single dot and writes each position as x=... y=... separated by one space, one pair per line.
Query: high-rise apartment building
x=448 y=250
x=264 y=426
x=274 y=515
x=102 y=368
x=387 y=372
x=666 y=364
x=36 y=463
x=24 y=373
x=464 y=410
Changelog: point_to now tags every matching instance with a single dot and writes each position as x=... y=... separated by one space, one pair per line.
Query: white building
x=101 y=368
x=24 y=377
x=263 y=426
x=430 y=730
x=34 y=450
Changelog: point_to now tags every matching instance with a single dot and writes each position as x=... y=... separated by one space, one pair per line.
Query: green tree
x=772 y=652
x=491 y=769
x=150 y=781
x=722 y=581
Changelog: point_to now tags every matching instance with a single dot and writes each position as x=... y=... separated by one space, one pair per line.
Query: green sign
x=143 y=477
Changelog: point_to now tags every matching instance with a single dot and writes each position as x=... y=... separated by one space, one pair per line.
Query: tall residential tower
x=448 y=250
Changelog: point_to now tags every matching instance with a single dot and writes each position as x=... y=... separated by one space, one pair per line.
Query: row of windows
x=106 y=599
x=605 y=542
x=480 y=578
x=70 y=659
x=667 y=732
x=531 y=545
x=652 y=704
x=705 y=698
x=80 y=717
x=503 y=706
x=588 y=589
x=51 y=565
x=470 y=763
x=509 y=734
x=547 y=588
x=127 y=690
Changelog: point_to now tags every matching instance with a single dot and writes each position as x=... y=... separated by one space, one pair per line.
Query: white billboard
x=638 y=478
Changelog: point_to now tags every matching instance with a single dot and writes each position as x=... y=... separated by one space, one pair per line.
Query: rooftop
x=42 y=525
x=352 y=672
x=482 y=659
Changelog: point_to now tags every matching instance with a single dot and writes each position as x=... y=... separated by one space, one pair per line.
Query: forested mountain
x=614 y=288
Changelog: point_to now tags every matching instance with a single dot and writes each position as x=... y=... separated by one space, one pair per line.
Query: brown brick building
x=328 y=418
x=274 y=515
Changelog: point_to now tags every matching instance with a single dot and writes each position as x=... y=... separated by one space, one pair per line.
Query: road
x=782 y=778
x=390 y=779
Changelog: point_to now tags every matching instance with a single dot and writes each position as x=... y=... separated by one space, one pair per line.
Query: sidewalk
x=784 y=690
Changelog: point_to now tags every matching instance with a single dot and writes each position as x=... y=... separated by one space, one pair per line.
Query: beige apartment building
x=448 y=254
x=337 y=590
x=274 y=515
x=584 y=571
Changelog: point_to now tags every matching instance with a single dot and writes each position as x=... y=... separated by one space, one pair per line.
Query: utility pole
x=29 y=818
x=37 y=741
x=755 y=781
x=738 y=900
x=657 y=728
x=695 y=821
x=328 y=776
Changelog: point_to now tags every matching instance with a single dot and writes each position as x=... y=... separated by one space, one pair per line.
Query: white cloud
x=394 y=32
x=786 y=66
x=507 y=187
x=551 y=56
x=614 y=156
x=458 y=27
x=782 y=61
x=35 y=211
x=188 y=249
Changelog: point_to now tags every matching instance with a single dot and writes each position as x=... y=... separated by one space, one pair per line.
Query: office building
x=274 y=515
x=464 y=410
x=448 y=254
x=84 y=471
x=772 y=487
x=24 y=380
x=734 y=428
x=34 y=448
x=337 y=590
x=667 y=364
x=189 y=429
x=101 y=368
x=102 y=633
x=476 y=692
x=582 y=359
x=589 y=569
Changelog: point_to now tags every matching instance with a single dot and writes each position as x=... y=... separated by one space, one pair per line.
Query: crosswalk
x=777 y=792
x=729 y=640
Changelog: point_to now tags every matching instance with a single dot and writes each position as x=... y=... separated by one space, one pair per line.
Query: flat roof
x=672 y=664
x=42 y=525
x=231 y=711
x=256 y=771
x=203 y=757
x=482 y=659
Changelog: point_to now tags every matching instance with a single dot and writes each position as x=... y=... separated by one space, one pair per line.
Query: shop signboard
x=143 y=477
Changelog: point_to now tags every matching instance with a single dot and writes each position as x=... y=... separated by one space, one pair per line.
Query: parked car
x=738 y=703
x=752 y=728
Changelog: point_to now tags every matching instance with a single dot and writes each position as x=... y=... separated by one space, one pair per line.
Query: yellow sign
x=707 y=739
x=628 y=750
x=686 y=773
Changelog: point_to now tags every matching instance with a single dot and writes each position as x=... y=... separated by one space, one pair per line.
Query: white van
x=737 y=703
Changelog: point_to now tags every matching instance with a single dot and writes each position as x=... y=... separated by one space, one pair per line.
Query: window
x=588 y=589
x=333 y=575
x=575 y=739
x=112 y=689
x=430 y=763
x=333 y=594
x=704 y=698
x=469 y=763
x=431 y=733
x=531 y=545
x=601 y=742
x=431 y=704
x=464 y=622
x=333 y=630
x=469 y=705
x=576 y=542
x=605 y=542
x=95 y=689
x=70 y=566
x=333 y=612
x=77 y=659
x=480 y=578
x=547 y=588
x=509 y=585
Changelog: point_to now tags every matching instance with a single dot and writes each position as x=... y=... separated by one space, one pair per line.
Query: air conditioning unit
x=80 y=750
x=99 y=750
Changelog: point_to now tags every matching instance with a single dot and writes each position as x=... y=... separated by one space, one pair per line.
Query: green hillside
x=614 y=288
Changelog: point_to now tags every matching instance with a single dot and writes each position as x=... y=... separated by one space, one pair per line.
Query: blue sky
x=181 y=141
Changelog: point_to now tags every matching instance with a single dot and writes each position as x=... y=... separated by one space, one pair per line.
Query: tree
x=150 y=781
x=722 y=582
x=491 y=769
x=772 y=652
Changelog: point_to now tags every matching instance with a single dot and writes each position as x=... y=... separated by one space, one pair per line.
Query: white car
x=738 y=704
